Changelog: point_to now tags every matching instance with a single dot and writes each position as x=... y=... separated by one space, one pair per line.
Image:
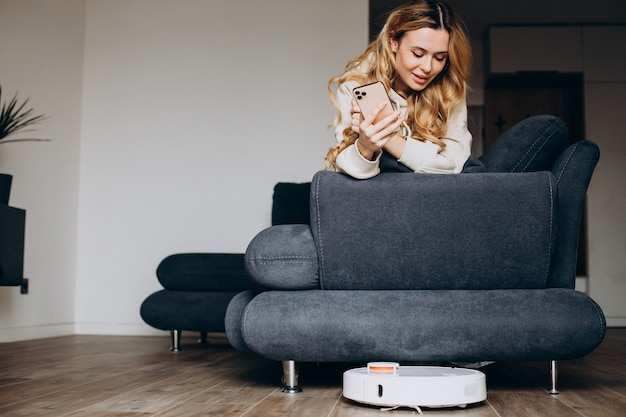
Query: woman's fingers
x=386 y=126
x=369 y=118
x=355 y=107
x=357 y=117
x=373 y=136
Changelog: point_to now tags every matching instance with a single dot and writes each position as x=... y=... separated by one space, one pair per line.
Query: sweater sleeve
x=351 y=162
x=343 y=120
x=427 y=157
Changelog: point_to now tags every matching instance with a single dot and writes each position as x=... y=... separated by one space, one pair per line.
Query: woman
x=423 y=57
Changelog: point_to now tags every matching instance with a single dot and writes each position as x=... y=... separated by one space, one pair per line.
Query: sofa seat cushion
x=186 y=310
x=445 y=325
x=464 y=231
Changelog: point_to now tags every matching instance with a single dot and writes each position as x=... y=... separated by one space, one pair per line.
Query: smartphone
x=369 y=96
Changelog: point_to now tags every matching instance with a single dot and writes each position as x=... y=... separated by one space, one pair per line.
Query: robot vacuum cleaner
x=390 y=385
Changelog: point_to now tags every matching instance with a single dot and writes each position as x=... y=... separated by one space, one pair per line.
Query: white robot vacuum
x=390 y=385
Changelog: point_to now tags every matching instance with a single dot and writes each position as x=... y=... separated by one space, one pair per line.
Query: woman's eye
x=418 y=55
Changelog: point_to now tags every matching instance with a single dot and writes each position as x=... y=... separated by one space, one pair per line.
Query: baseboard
x=18 y=334
x=616 y=322
x=117 y=329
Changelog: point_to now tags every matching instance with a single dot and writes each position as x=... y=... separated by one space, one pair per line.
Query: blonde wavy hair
x=429 y=109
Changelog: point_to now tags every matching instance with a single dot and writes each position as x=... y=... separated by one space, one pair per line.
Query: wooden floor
x=101 y=376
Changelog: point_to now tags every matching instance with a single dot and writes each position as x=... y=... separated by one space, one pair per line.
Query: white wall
x=192 y=111
x=41 y=57
x=170 y=121
x=183 y=115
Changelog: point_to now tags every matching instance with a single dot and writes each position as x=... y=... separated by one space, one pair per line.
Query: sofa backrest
x=430 y=231
x=290 y=203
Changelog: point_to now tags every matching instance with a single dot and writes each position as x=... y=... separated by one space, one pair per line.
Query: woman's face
x=421 y=55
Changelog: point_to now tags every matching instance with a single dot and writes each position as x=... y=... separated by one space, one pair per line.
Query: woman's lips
x=420 y=80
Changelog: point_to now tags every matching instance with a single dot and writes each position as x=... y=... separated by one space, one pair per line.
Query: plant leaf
x=14 y=117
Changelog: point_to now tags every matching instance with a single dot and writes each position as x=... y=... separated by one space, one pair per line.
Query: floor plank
x=103 y=376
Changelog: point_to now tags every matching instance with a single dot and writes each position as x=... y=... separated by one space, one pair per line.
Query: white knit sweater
x=421 y=157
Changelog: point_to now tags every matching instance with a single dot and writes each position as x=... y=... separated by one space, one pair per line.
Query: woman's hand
x=372 y=137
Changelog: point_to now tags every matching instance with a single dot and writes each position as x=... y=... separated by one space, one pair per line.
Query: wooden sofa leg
x=553 y=377
x=290 y=378
x=176 y=347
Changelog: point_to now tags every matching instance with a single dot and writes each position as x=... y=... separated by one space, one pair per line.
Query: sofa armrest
x=215 y=272
x=283 y=257
x=430 y=231
x=573 y=170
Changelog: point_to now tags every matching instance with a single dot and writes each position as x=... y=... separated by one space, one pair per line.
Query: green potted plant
x=14 y=118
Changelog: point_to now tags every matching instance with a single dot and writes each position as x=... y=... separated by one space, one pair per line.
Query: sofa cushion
x=204 y=272
x=186 y=310
x=283 y=257
x=448 y=325
x=429 y=231
x=233 y=319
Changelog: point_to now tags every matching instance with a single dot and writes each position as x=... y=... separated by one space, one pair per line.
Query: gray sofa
x=425 y=268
